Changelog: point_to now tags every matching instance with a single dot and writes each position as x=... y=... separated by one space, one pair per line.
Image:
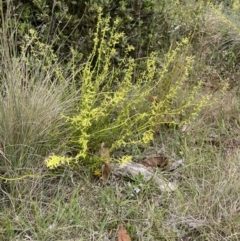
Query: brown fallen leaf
x=158 y=161
x=122 y=234
x=106 y=170
x=106 y=166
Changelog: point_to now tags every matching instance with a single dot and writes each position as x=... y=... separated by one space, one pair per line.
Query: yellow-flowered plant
x=218 y=11
x=55 y=161
x=120 y=109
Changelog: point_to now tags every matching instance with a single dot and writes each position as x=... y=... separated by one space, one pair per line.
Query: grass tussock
x=184 y=104
x=33 y=98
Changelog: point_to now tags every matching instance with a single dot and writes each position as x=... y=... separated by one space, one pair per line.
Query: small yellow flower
x=97 y=173
x=32 y=31
x=55 y=161
x=147 y=137
x=125 y=159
